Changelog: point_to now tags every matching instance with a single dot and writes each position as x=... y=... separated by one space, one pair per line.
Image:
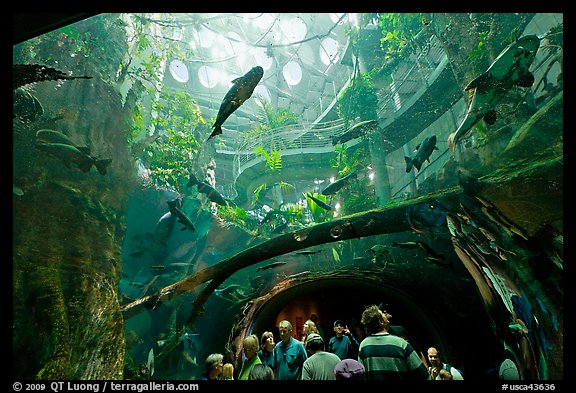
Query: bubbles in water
x=336 y=231
x=300 y=236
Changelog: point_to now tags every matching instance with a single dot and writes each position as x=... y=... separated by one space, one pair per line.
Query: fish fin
x=408 y=164
x=102 y=165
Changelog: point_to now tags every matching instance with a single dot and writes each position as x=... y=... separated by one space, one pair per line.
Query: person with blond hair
x=250 y=347
x=227 y=372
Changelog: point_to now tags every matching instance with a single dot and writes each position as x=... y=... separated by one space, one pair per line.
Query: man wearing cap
x=320 y=364
x=343 y=344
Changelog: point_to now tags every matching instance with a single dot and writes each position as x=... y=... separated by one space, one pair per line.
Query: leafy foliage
x=169 y=155
x=273 y=159
x=358 y=99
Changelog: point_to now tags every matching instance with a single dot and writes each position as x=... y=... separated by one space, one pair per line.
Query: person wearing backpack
x=437 y=364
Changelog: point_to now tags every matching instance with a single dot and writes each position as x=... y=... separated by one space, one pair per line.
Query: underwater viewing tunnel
x=182 y=181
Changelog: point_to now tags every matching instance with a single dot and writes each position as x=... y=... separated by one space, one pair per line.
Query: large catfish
x=241 y=90
x=511 y=68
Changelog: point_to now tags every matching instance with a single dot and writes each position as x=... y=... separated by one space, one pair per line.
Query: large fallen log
x=391 y=219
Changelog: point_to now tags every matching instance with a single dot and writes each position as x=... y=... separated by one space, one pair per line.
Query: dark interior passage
x=428 y=324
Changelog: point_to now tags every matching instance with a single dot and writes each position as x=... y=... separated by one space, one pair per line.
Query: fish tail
x=417 y=164
x=217 y=131
x=408 y=164
x=102 y=165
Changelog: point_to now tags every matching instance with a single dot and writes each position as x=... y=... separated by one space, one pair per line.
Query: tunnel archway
x=344 y=295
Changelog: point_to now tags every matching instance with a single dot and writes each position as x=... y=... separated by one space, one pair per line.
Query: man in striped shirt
x=384 y=355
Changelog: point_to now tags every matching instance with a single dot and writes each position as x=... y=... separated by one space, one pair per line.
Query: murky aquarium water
x=390 y=182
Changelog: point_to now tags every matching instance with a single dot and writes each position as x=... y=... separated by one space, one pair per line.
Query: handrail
x=314 y=138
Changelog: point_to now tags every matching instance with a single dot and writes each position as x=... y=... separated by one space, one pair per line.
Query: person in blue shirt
x=289 y=354
x=266 y=352
x=343 y=343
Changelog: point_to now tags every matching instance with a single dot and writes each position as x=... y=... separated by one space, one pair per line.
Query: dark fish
x=433 y=256
x=355 y=131
x=271 y=266
x=207 y=189
x=71 y=154
x=138 y=253
x=319 y=202
x=51 y=136
x=239 y=92
x=181 y=217
x=338 y=184
x=23 y=74
x=158 y=267
x=308 y=252
x=511 y=68
x=423 y=152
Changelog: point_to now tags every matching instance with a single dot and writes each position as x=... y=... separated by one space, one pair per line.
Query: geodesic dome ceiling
x=303 y=56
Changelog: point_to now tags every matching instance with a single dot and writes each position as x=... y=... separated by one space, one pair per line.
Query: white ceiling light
x=292 y=73
x=179 y=71
x=208 y=76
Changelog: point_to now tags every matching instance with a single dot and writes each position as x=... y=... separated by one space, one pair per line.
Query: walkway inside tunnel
x=428 y=324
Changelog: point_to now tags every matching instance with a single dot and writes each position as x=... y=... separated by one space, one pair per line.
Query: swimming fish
x=271 y=266
x=71 y=154
x=333 y=188
x=51 y=136
x=23 y=74
x=181 y=217
x=433 y=256
x=356 y=131
x=510 y=68
x=423 y=152
x=319 y=202
x=207 y=189
x=241 y=90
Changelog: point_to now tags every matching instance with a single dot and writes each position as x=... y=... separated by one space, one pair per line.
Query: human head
x=250 y=346
x=314 y=343
x=285 y=330
x=228 y=371
x=445 y=374
x=374 y=319
x=261 y=371
x=349 y=369
x=309 y=327
x=267 y=338
x=434 y=357
x=339 y=327
x=214 y=363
